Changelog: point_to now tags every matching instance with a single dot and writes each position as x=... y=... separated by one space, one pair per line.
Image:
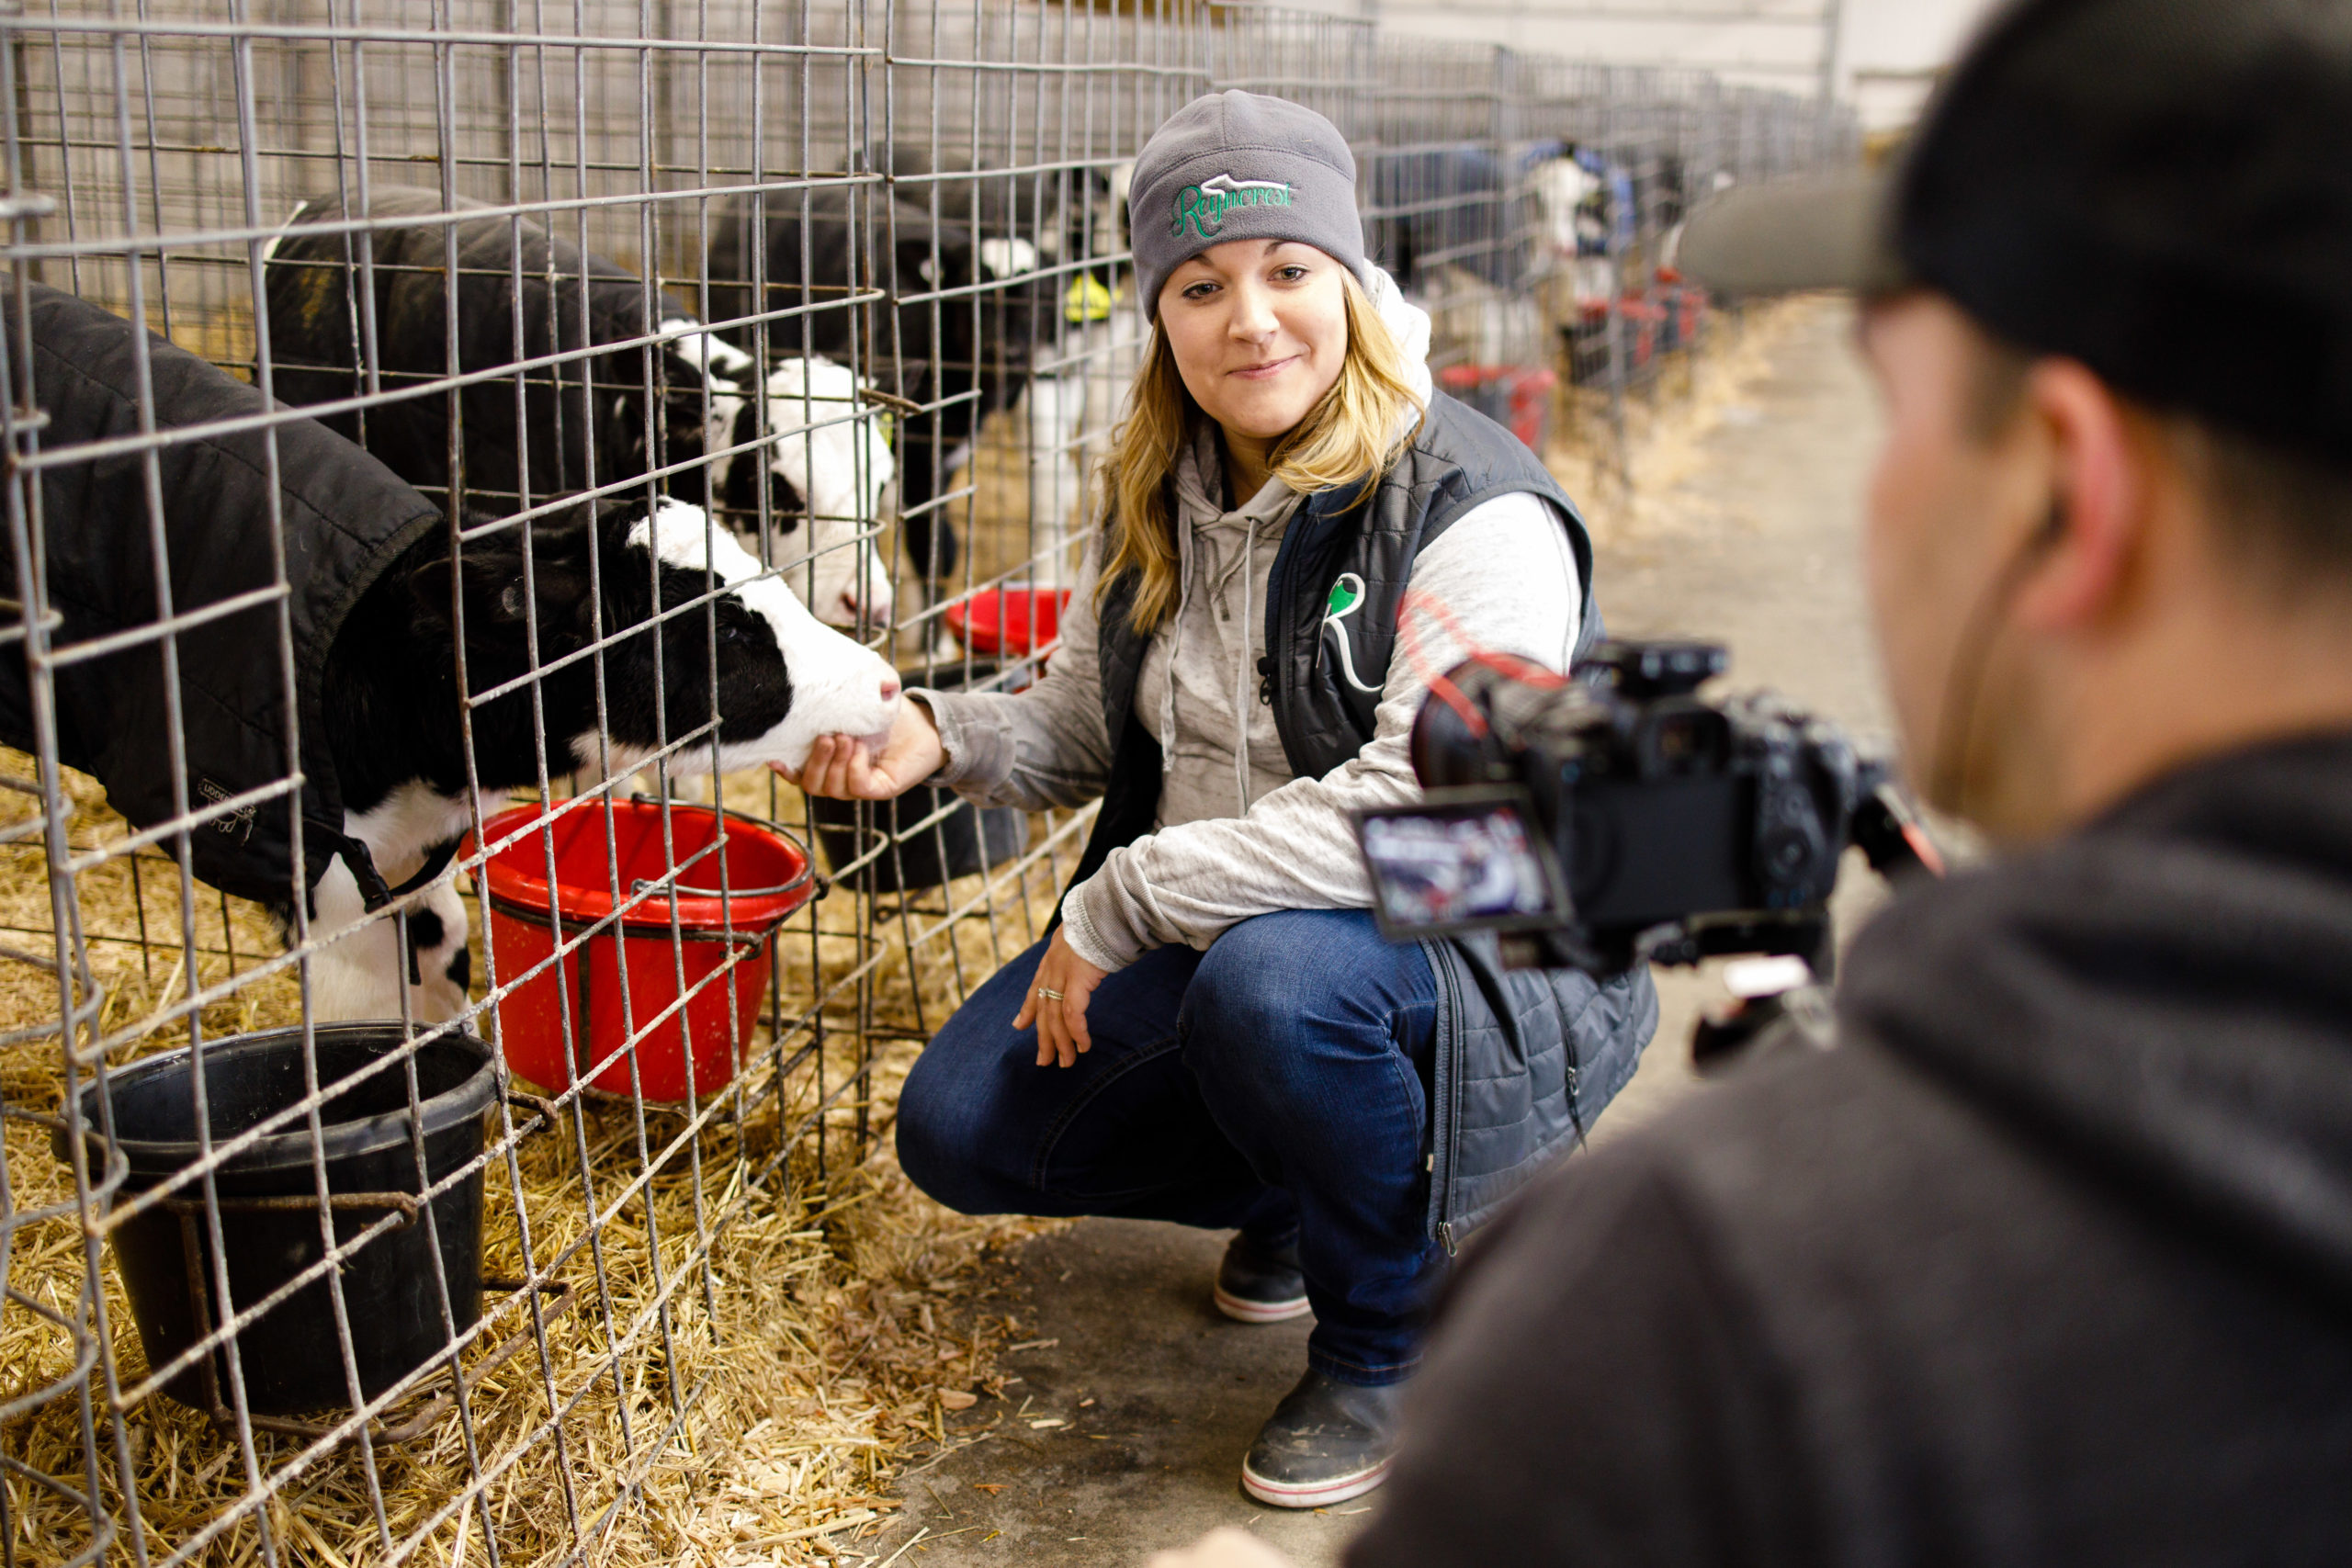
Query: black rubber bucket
x=968 y=840
x=972 y=839
x=269 y=1214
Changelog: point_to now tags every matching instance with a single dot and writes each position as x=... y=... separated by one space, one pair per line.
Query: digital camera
x=1617 y=816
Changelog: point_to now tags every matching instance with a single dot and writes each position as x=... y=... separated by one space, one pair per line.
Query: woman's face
x=1259 y=329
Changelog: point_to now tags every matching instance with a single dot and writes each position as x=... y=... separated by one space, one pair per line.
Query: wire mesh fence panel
x=1451 y=209
x=1328 y=62
x=547 y=532
x=455 y=449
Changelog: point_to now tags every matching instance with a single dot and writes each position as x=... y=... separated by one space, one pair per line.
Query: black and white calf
x=686 y=615
x=827 y=460
x=653 y=600
x=523 y=294
x=959 y=341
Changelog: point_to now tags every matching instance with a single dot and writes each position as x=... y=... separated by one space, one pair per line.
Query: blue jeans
x=1277 y=1083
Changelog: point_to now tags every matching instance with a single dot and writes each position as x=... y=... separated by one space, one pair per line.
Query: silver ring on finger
x=1049 y=994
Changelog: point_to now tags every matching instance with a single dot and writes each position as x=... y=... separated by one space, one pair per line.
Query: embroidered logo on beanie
x=1235 y=165
x=1203 y=207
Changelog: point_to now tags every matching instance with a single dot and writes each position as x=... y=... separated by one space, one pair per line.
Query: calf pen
x=849 y=280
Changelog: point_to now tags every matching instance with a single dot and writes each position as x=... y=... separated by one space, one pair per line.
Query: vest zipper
x=1278 y=643
x=1449 y=1121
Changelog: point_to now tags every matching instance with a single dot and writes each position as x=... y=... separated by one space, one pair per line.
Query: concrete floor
x=1159 y=1395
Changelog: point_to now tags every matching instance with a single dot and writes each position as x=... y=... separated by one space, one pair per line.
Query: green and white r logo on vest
x=1203 y=207
x=1347 y=598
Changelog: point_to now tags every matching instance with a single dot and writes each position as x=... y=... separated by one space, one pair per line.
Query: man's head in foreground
x=2107 y=304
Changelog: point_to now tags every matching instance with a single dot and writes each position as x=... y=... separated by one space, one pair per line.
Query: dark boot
x=1326 y=1442
x=1257 y=1283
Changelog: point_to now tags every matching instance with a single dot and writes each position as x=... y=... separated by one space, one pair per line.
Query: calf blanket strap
x=373 y=892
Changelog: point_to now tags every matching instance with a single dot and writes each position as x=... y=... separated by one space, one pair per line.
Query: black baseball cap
x=2161 y=189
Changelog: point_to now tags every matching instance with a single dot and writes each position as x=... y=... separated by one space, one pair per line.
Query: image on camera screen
x=1460 y=865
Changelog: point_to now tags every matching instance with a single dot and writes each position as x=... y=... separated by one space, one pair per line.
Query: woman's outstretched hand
x=1062 y=1023
x=842 y=767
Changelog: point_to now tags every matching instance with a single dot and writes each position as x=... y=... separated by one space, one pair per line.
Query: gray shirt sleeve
x=1044 y=747
x=1505 y=572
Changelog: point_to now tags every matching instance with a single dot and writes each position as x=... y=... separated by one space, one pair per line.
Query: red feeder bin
x=767 y=876
x=1012 y=622
x=1517 y=397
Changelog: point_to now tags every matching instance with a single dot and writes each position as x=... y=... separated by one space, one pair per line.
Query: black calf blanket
x=345 y=517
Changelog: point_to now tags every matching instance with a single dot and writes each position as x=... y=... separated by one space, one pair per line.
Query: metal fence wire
x=451 y=447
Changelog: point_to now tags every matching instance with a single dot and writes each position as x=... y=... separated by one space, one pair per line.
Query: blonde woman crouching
x=1216 y=1034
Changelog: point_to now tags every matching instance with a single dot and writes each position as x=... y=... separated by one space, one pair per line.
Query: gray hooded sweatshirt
x=1238 y=835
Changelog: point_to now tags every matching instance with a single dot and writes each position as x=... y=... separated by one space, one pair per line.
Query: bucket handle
x=680 y=890
x=407 y=1203
x=550 y=1118
x=728 y=813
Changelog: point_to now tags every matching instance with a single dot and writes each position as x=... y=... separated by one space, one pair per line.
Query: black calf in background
x=1459 y=207
x=586 y=418
x=1661 y=195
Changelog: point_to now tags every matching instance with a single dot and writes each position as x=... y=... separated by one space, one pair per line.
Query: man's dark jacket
x=1525 y=1059
x=2049 y=1261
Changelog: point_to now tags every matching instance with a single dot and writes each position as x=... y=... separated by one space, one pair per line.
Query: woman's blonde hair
x=1353 y=433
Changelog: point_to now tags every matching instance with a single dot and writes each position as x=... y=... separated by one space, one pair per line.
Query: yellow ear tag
x=1087 y=300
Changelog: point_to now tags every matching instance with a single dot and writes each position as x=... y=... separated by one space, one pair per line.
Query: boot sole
x=1312 y=1495
x=1244 y=1310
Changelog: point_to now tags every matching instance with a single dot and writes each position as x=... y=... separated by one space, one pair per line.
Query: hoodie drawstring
x=1241 y=666
x=1175 y=648
x=1204 y=457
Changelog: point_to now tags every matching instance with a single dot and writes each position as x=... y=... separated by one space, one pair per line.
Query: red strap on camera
x=1506 y=664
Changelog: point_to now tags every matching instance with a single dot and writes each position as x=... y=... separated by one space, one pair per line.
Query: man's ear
x=2095 y=526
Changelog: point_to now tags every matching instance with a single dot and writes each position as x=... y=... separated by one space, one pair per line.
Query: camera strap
x=1509 y=665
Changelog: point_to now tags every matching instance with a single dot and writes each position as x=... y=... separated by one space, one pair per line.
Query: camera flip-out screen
x=1463 y=858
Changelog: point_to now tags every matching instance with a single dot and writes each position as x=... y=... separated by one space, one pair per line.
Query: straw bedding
x=1666 y=421
x=820 y=1346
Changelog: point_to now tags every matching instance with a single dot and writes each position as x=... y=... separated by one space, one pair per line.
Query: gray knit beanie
x=1233 y=165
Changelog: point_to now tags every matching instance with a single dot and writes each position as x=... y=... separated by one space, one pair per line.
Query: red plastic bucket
x=1645 y=318
x=767 y=876
x=1517 y=397
x=1009 y=622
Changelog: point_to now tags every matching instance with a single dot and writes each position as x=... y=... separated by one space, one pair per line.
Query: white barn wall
x=1888 y=49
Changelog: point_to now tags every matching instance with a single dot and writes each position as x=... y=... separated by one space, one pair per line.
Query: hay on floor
x=1666 y=420
x=746 y=1402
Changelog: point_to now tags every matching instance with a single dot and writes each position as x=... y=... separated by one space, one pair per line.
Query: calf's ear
x=491 y=577
x=682 y=413
x=919 y=270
